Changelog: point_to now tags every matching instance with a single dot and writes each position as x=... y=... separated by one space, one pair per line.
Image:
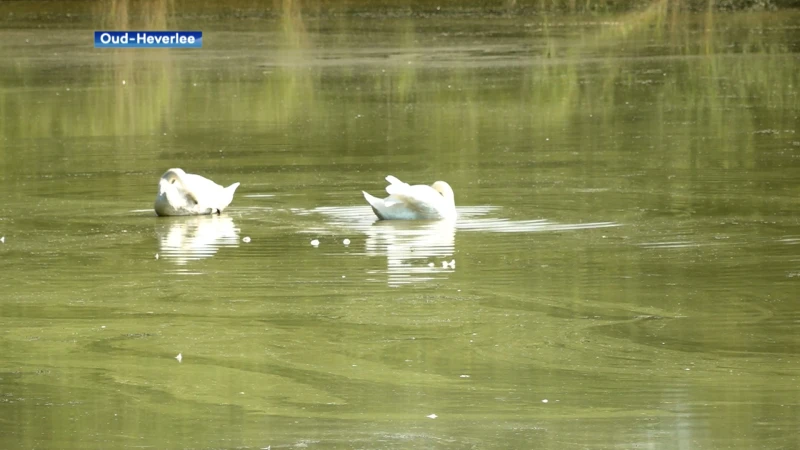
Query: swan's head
x=443 y=188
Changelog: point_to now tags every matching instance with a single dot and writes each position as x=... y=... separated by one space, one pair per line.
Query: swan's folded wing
x=395 y=185
x=394 y=180
x=190 y=198
x=420 y=198
x=208 y=194
x=201 y=184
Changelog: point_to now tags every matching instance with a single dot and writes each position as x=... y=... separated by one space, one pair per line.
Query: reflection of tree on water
x=547 y=65
x=187 y=239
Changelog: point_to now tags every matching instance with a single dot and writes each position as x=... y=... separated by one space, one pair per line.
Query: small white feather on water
x=315 y=242
x=451 y=264
x=432 y=416
x=346 y=242
x=179 y=357
x=246 y=239
x=3 y=239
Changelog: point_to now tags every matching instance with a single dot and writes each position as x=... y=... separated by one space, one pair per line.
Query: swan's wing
x=190 y=197
x=177 y=194
x=207 y=193
x=395 y=185
x=419 y=198
x=394 y=180
x=173 y=200
x=197 y=183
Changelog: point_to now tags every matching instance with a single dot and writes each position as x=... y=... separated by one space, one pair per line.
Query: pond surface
x=626 y=259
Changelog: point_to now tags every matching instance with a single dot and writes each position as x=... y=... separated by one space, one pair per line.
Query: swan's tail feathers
x=232 y=188
x=370 y=199
x=227 y=197
x=375 y=203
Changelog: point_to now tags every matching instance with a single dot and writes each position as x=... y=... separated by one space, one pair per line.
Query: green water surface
x=626 y=256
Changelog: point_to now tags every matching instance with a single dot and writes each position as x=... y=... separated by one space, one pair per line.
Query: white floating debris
x=246 y=239
x=431 y=265
x=346 y=241
x=103 y=327
x=451 y=264
x=179 y=357
x=315 y=242
x=544 y=400
x=3 y=239
x=123 y=82
x=343 y=276
x=156 y=255
x=464 y=376
x=432 y=416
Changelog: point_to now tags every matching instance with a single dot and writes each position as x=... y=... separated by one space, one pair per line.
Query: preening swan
x=418 y=202
x=186 y=194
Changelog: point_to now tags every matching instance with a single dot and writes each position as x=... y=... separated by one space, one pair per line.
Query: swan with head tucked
x=186 y=194
x=418 y=202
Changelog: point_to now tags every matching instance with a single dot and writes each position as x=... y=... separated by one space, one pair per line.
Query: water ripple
x=469 y=219
x=672 y=244
x=421 y=251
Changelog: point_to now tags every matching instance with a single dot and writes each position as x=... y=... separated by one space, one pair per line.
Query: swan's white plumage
x=186 y=194
x=417 y=202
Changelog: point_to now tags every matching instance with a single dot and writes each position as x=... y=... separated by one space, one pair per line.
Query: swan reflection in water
x=184 y=239
x=412 y=246
x=413 y=249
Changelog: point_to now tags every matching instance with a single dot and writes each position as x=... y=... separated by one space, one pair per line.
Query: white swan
x=406 y=202
x=186 y=194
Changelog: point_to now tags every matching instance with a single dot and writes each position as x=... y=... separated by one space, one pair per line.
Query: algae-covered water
x=626 y=258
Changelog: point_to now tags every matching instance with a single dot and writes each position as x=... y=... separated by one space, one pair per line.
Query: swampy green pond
x=627 y=254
